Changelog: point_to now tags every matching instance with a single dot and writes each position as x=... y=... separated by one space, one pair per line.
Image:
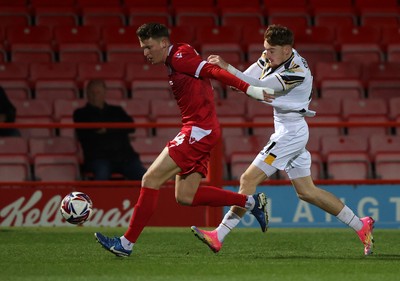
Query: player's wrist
x=258 y=92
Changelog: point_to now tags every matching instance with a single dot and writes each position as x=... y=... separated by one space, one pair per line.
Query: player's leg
x=248 y=183
x=307 y=191
x=162 y=169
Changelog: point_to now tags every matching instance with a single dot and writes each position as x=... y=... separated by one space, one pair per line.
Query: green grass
x=175 y=254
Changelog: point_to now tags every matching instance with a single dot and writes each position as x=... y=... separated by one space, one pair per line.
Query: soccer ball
x=76 y=207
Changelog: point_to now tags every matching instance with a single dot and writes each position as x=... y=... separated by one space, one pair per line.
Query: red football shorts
x=190 y=149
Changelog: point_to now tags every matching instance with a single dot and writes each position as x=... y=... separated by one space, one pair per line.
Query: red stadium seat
x=239 y=145
x=383 y=144
x=364 y=107
x=232 y=131
x=52 y=3
x=387 y=165
x=238 y=4
x=315 y=53
x=319 y=132
x=242 y=17
x=337 y=71
x=53 y=146
x=394 y=108
x=145 y=3
x=13 y=146
x=119 y=35
x=103 y=16
x=107 y=71
x=53 y=71
x=358 y=35
x=315 y=4
x=239 y=163
x=390 y=35
x=51 y=16
x=393 y=52
x=138 y=71
x=221 y=34
x=32 y=53
x=348 y=144
x=379 y=17
x=199 y=17
x=368 y=129
x=96 y=3
x=17 y=89
x=257 y=109
x=34 y=111
x=29 y=35
x=231 y=52
x=342 y=89
x=77 y=34
x=14 y=168
x=56 y=168
x=362 y=53
x=14 y=16
x=349 y=166
x=294 y=22
x=182 y=34
x=335 y=17
x=149 y=148
x=386 y=89
x=168 y=132
x=56 y=89
x=263 y=131
x=125 y=53
x=14 y=71
x=164 y=108
x=138 y=16
x=230 y=108
x=65 y=108
x=387 y=71
x=151 y=90
x=175 y=4
x=374 y=4
x=79 y=53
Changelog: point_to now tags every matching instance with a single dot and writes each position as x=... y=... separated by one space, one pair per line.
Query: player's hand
x=217 y=60
x=268 y=97
x=261 y=94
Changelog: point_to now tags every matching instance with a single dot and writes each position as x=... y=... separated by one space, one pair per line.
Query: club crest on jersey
x=178 y=55
x=178 y=140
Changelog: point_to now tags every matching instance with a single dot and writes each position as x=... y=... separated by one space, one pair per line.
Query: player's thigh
x=249 y=180
x=161 y=170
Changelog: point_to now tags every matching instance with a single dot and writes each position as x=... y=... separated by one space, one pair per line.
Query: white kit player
x=282 y=69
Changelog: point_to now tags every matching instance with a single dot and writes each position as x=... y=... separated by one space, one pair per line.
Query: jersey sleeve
x=282 y=81
x=187 y=60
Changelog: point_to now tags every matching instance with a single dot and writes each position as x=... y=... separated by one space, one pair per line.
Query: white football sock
x=347 y=216
x=228 y=223
x=250 y=202
x=126 y=243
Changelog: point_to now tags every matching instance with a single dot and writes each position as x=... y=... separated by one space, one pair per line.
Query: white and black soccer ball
x=76 y=207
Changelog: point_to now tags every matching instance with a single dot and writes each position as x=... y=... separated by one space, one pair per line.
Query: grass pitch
x=175 y=254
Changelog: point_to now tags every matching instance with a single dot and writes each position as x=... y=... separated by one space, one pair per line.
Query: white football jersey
x=292 y=82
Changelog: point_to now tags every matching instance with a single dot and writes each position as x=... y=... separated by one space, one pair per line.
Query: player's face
x=155 y=50
x=277 y=54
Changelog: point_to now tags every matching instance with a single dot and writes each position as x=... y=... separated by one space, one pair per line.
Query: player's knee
x=183 y=199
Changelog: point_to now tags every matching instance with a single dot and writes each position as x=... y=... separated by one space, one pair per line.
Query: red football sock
x=217 y=197
x=142 y=213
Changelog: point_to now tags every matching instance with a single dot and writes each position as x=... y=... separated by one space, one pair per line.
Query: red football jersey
x=194 y=94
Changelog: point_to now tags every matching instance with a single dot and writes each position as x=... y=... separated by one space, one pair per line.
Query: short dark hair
x=95 y=82
x=152 y=30
x=278 y=35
